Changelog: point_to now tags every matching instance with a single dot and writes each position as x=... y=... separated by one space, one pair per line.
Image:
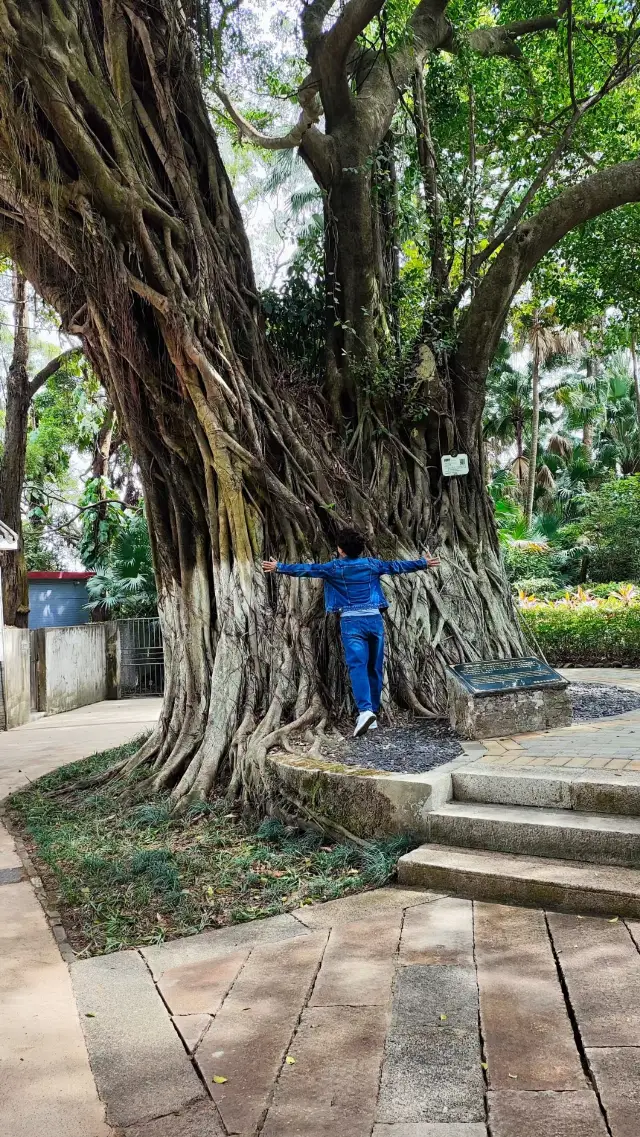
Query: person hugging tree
x=352 y=588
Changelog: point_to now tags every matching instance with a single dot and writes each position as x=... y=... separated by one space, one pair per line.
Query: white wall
x=75 y=667
x=17 y=675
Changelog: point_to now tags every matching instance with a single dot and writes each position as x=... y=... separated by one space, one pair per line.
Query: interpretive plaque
x=503 y=697
x=495 y=676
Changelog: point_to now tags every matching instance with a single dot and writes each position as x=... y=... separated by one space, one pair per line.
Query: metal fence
x=141 y=658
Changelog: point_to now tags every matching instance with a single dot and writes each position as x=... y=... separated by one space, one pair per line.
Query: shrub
x=524 y=565
x=601 y=633
x=536 y=586
x=612 y=525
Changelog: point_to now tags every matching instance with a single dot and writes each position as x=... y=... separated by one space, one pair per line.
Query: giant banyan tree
x=115 y=203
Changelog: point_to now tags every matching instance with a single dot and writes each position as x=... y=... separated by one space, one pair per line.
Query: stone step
x=591 y=791
x=598 y=890
x=603 y=839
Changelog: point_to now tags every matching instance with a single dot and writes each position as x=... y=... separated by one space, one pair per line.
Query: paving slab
x=358 y=964
x=441 y=932
x=191 y=1029
x=516 y=1114
x=9 y=859
x=139 y=1063
x=601 y=967
x=351 y=908
x=219 y=942
x=432 y=1070
x=200 y=988
x=528 y=1036
x=634 y=931
x=616 y=1071
x=331 y=1089
x=46 y=1087
x=437 y=1130
x=250 y=1036
x=199 y=1120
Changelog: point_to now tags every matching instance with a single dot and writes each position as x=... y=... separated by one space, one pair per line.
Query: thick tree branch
x=51 y=368
x=309 y=116
x=351 y=22
x=618 y=185
x=312 y=22
x=427 y=29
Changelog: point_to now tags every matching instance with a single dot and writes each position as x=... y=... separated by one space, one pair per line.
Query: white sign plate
x=455 y=464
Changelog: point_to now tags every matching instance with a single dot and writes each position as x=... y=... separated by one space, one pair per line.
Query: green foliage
x=606 y=634
x=125 y=583
x=60 y=424
x=612 y=524
x=98 y=532
x=39 y=554
x=537 y=586
x=129 y=872
x=295 y=314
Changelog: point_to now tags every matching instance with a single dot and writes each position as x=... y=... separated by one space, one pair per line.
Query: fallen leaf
x=443 y=1018
x=614 y=920
x=89 y=1015
x=218 y=1079
x=485 y=1065
x=513 y=1076
x=290 y=1061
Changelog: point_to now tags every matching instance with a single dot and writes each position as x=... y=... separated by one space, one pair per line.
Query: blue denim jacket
x=353 y=582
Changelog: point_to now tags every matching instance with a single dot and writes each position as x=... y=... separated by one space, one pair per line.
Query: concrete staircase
x=567 y=840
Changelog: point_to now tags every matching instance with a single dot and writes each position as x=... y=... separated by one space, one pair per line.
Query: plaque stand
x=505 y=697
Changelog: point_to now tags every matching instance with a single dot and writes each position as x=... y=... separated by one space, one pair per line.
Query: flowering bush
x=584 y=630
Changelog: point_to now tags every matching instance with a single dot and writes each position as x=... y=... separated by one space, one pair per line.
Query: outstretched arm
x=397 y=568
x=322 y=571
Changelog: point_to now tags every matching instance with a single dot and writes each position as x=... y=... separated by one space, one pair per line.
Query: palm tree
x=508 y=414
x=582 y=395
x=619 y=443
x=536 y=328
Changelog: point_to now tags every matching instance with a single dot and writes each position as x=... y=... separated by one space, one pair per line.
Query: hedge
x=604 y=636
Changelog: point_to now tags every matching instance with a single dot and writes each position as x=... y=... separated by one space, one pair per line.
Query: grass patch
x=123 y=871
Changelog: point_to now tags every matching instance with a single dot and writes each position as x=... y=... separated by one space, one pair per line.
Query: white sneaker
x=374 y=725
x=364 y=722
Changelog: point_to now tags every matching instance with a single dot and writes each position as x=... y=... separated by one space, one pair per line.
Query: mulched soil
x=601 y=700
x=415 y=746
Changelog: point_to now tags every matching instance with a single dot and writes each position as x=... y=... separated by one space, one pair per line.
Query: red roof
x=60 y=575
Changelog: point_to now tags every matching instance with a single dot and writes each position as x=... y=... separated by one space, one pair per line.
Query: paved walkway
x=393 y=1013
x=46 y=1086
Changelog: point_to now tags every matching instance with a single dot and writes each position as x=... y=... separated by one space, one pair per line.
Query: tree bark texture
x=117 y=205
x=15 y=584
x=535 y=432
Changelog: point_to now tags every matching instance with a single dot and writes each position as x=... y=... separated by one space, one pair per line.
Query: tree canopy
x=453 y=148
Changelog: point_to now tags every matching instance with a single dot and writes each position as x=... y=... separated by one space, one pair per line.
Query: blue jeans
x=363 y=639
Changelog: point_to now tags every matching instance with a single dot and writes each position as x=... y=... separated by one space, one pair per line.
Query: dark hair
x=350 y=541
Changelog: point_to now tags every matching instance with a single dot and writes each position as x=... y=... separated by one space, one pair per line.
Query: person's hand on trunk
x=270 y=565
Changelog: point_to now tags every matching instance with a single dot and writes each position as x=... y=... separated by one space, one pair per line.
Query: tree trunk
x=535 y=430
x=99 y=473
x=587 y=439
x=15 y=585
x=141 y=248
x=356 y=320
